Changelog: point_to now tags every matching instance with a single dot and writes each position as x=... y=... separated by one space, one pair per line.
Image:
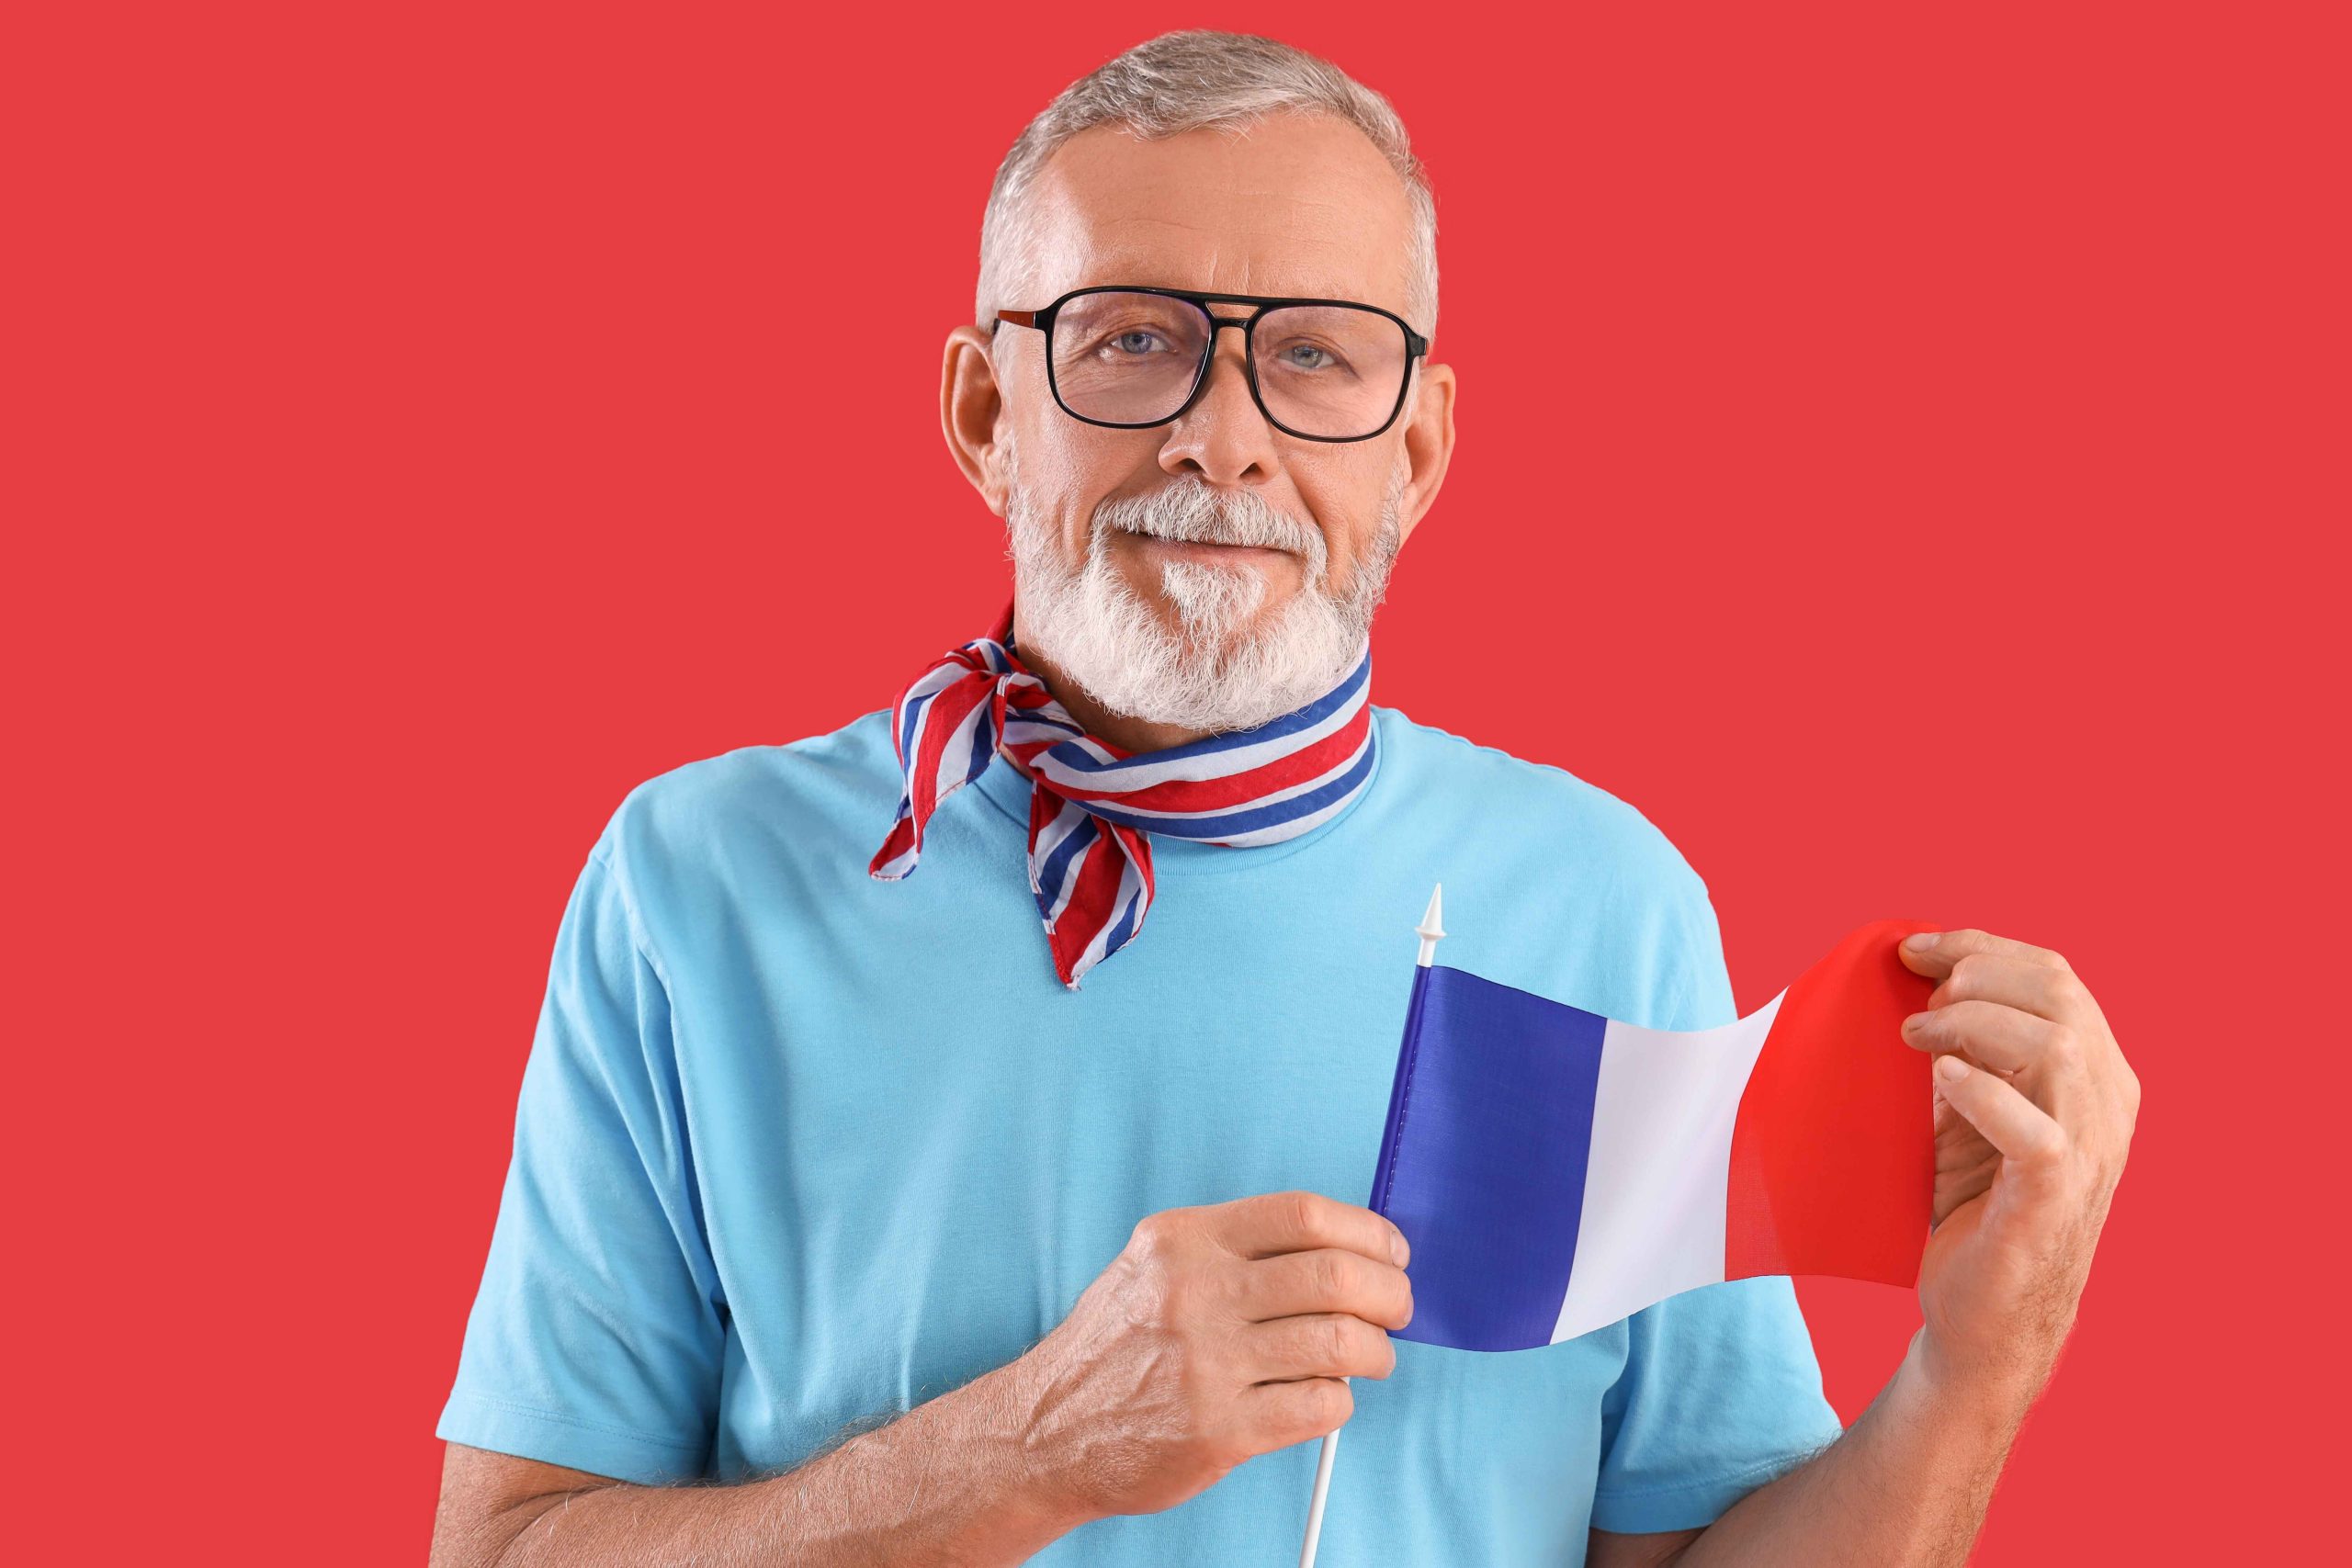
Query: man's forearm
x=1906 y=1487
x=948 y=1482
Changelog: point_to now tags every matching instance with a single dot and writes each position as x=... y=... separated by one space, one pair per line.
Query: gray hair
x=1192 y=80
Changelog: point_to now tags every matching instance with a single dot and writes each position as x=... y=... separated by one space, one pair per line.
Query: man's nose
x=1223 y=436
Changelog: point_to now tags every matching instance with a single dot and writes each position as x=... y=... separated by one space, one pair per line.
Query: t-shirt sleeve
x=595 y=1338
x=1693 y=984
x=1720 y=1392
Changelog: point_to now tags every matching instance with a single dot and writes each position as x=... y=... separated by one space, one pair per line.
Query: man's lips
x=1198 y=551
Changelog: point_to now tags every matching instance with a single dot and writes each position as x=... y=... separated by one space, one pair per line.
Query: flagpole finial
x=1431 y=926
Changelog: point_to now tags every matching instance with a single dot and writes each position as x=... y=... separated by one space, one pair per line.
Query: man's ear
x=970 y=403
x=1429 y=445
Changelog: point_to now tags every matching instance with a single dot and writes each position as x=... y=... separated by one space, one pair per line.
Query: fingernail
x=1920 y=942
x=1914 y=1022
x=1397 y=1249
x=1950 y=1068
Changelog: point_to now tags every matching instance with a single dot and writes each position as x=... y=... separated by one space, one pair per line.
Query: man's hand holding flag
x=1555 y=1171
x=2035 y=1108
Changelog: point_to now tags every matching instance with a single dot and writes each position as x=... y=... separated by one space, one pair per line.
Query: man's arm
x=1909 y=1484
x=952 y=1482
x=1219 y=1332
x=2035 y=1110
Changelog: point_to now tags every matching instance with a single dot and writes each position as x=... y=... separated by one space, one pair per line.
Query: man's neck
x=1120 y=729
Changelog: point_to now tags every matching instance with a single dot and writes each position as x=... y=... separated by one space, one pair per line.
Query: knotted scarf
x=1093 y=806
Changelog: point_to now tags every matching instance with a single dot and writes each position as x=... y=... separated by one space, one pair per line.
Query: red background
x=1909 y=446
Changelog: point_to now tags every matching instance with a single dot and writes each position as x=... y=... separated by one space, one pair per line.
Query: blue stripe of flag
x=1482 y=1165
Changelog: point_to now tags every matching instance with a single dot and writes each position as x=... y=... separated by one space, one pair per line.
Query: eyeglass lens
x=1325 y=370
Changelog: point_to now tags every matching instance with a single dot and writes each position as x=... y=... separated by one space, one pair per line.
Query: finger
x=2054 y=994
x=2033 y=1145
x=1997 y=1036
x=1933 y=954
x=1317 y=1345
x=1329 y=1279
x=1276 y=1223
x=1291 y=1412
x=1964 y=1161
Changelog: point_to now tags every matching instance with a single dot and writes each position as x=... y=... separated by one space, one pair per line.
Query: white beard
x=1214 y=673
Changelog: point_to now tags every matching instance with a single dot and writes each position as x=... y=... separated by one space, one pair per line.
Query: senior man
x=945 y=1174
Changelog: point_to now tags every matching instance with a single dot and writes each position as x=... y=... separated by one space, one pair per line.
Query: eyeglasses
x=1132 y=358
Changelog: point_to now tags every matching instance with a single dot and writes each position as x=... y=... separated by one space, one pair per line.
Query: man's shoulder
x=844 y=780
x=1470 y=788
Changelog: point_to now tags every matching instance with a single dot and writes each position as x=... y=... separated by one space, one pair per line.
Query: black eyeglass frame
x=1416 y=347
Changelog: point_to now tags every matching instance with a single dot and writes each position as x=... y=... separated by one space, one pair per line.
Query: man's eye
x=1136 y=341
x=1308 y=357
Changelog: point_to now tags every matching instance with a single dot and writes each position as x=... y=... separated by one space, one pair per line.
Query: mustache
x=1192 y=511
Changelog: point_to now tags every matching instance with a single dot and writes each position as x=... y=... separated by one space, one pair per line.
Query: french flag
x=1555 y=1170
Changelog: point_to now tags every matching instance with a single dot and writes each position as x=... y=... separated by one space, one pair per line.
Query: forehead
x=1296 y=204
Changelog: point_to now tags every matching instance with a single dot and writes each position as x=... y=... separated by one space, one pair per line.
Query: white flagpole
x=1429 y=931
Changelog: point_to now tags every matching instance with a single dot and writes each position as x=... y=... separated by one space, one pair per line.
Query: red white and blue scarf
x=1093 y=806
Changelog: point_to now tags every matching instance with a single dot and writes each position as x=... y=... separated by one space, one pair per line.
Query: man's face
x=1211 y=573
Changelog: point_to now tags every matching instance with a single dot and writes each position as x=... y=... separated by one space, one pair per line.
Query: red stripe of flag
x=1833 y=1151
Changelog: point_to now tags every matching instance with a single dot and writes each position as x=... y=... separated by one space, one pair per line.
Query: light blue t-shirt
x=798 y=1150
